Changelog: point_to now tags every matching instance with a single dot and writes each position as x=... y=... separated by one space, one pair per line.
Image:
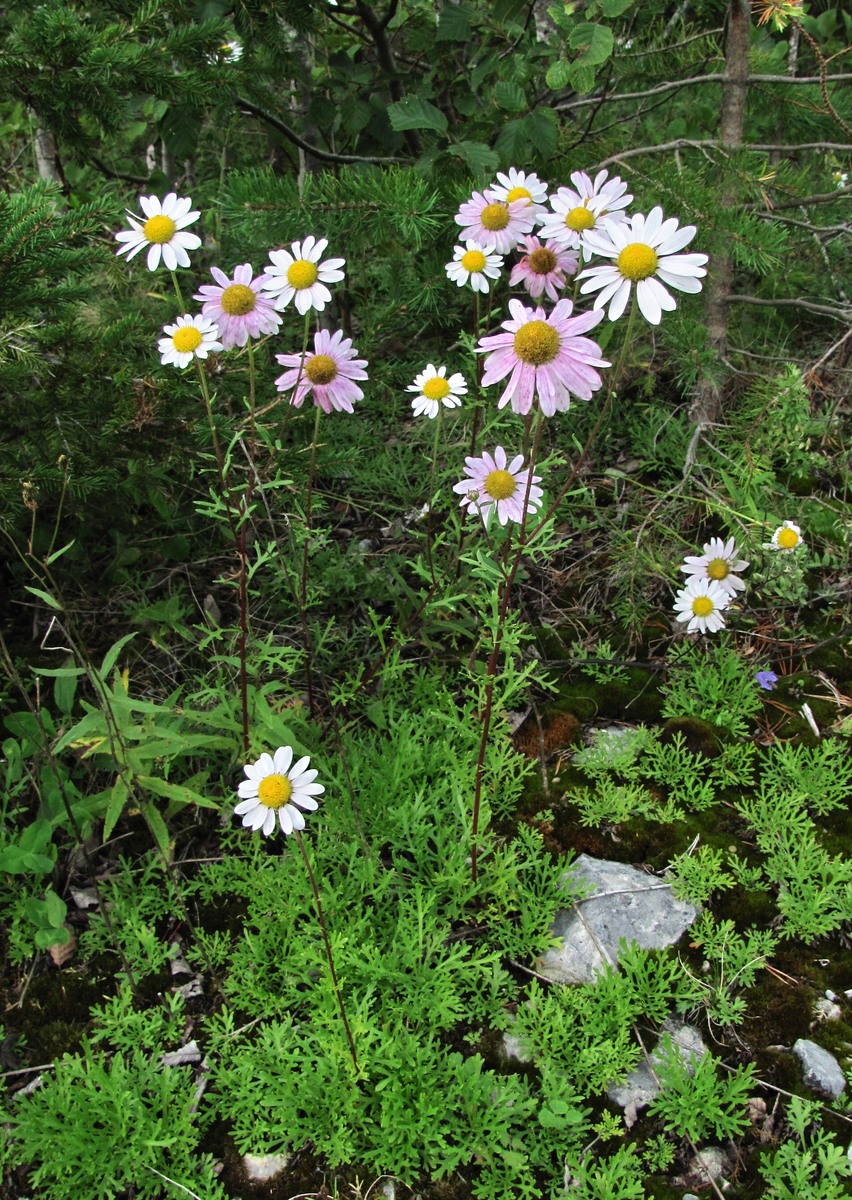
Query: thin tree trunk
x=47 y=155
x=707 y=406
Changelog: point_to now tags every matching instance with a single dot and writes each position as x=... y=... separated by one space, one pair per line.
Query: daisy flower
x=518 y=185
x=328 y=372
x=492 y=222
x=298 y=273
x=434 y=389
x=719 y=561
x=786 y=537
x=645 y=250
x=543 y=355
x=543 y=268
x=237 y=306
x=161 y=231
x=190 y=337
x=494 y=483
x=275 y=784
x=702 y=603
x=580 y=209
x=475 y=264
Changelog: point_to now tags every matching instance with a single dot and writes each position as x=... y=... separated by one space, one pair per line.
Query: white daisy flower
x=581 y=209
x=518 y=185
x=190 y=337
x=702 y=603
x=274 y=786
x=475 y=264
x=645 y=252
x=434 y=389
x=719 y=561
x=162 y=231
x=298 y=273
x=786 y=537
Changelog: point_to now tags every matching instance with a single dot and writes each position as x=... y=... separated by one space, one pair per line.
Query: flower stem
x=328 y=953
x=432 y=483
x=303 y=581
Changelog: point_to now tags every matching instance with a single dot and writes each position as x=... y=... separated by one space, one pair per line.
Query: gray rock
x=622 y=902
x=262 y=1167
x=640 y=1086
x=822 y=1071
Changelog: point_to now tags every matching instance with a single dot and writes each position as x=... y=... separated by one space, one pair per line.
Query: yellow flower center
x=186 y=339
x=274 y=790
x=436 y=388
x=580 y=218
x=302 y=274
x=237 y=300
x=537 y=343
x=702 y=606
x=159 y=229
x=542 y=261
x=321 y=368
x=718 y=568
x=788 y=539
x=494 y=216
x=518 y=193
x=473 y=260
x=637 y=261
x=500 y=485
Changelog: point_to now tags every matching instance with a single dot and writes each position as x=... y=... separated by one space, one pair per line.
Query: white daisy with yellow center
x=701 y=603
x=720 y=561
x=786 y=537
x=476 y=265
x=161 y=231
x=298 y=274
x=275 y=790
x=522 y=185
x=580 y=209
x=645 y=253
x=190 y=337
x=435 y=390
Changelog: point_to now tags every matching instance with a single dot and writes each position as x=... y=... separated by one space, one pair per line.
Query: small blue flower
x=767 y=680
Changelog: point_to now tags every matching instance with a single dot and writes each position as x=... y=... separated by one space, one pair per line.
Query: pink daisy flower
x=544 y=268
x=237 y=306
x=494 y=483
x=495 y=223
x=543 y=355
x=328 y=372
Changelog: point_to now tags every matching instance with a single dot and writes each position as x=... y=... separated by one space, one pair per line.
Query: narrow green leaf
x=45 y=596
x=159 y=830
x=117 y=801
x=58 y=553
x=176 y=791
x=111 y=656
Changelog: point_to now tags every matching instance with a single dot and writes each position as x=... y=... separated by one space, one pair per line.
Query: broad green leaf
x=614 y=8
x=511 y=142
x=414 y=113
x=476 y=155
x=117 y=801
x=543 y=131
x=595 y=41
x=558 y=74
x=454 y=23
x=45 y=938
x=582 y=78
x=45 y=596
x=510 y=96
x=55 y=908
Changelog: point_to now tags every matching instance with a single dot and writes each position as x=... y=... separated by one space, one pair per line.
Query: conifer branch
x=838 y=314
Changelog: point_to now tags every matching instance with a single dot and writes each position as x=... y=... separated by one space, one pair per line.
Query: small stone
x=262 y=1167
x=822 y=1071
x=640 y=1087
x=706 y=1166
x=826 y=1010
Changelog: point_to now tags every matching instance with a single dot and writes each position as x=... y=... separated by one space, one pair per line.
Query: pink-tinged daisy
x=786 y=537
x=645 y=250
x=298 y=274
x=702 y=603
x=491 y=222
x=190 y=337
x=543 y=355
x=543 y=269
x=520 y=185
x=719 y=561
x=161 y=231
x=237 y=306
x=275 y=789
x=475 y=264
x=493 y=483
x=434 y=390
x=328 y=372
x=580 y=209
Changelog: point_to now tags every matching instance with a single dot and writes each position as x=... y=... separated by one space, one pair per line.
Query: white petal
x=282 y=758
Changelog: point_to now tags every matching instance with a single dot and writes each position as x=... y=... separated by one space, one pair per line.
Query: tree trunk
x=707 y=406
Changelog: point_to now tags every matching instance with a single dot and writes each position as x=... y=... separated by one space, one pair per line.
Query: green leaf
x=56 y=909
x=558 y=75
x=180 y=130
x=159 y=829
x=454 y=23
x=510 y=96
x=45 y=938
x=58 y=553
x=176 y=791
x=414 y=113
x=614 y=8
x=582 y=78
x=476 y=155
x=111 y=656
x=45 y=596
x=543 y=131
x=115 y=807
x=595 y=41
x=60 y=672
